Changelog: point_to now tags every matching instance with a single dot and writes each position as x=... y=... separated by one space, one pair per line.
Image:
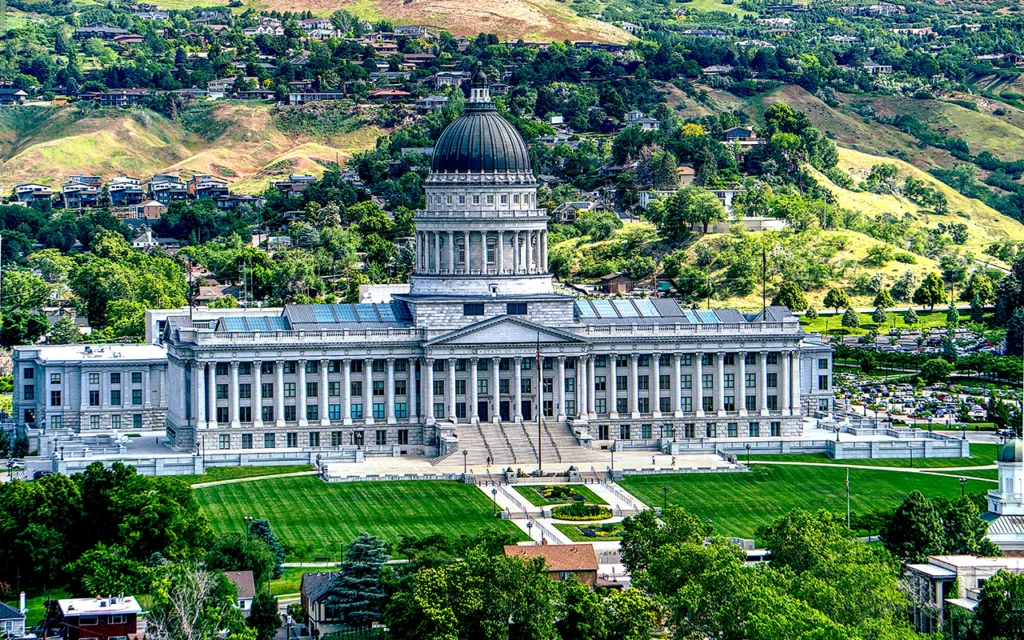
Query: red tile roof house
x=100 y=618
x=563 y=560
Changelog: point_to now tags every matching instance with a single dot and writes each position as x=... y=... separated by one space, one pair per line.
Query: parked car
x=41 y=474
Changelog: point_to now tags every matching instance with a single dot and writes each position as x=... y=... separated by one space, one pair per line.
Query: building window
x=94 y=378
x=645 y=431
x=823 y=363
x=94 y=398
x=438 y=388
x=515 y=308
x=357 y=412
x=267 y=413
x=474 y=309
x=773 y=403
x=222 y=414
x=247 y=441
x=711 y=431
x=751 y=403
x=136 y=396
x=314 y=438
x=772 y=358
x=378 y=387
x=115 y=377
x=94 y=422
x=289 y=413
x=621 y=361
x=600 y=383
x=686 y=381
x=729 y=381
x=754 y=429
x=644 y=405
x=549 y=385
x=624 y=433
x=823 y=383
x=245 y=391
x=54 y=378
x=357 y=438
x=245 y=414
x=732 y=430
x=403 y=436
x=621 y=383
x=382 y=437
x=337 y=438
x=115 y=422
x=267 y=367
x=686 y=404
x=707 y=381
x=689 y=430
x=438 y=410
x=481 y=386
x=224 y=441
x=334 y=412
x=245 y=368
x=549 y=408
x=527 y=385
x=643 y=383
x=664 y=405
x=601 y=406
x=503 y=386
x=775 y=428
x=268 y=441
x=356 y=388
x=57 y=422
x=709 y=403
x=401 y=410
x=289 y=366
x=750 y=380
x=334 y=388
x=664 y=382
x=379 y=412
x=292 y=440
x=600 y=361
x=621 y=405
x=222 y=392
x=773 y=380
x=312 y=412
x=55 y=399
x=289 y=389
x=730 y=403
x=570 y=407
x=707 y=359
x=686 y=360
x=30 y=392
x=267 y=389
x=115 y=397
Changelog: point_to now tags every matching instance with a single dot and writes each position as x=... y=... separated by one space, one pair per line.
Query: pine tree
x=357 y=591
x=850 y=319
x=952 y=316
x=910 y=318
x=977 y=309
x=1015 y=334
x=879 y=316
x=261 y=529
x=264 y=618
x=811 y=314
x=884 y=300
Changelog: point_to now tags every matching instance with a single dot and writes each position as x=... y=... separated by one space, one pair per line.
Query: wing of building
x=482 y=344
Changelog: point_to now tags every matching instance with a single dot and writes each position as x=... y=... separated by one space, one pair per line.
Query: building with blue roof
x=482 y=346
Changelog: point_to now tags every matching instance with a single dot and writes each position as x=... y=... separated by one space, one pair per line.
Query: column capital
x=474 y=360
x=323 y=363
x=452 y=360
x=742 y=354
x=391 y=362
x=497 y=360
x=347 y=361
x=258 y=363
x=518 y=360
x=561 y=359
x=699 y=354
x=279 y=363
x=301 y=360
x=428 y=360
x=234 y=365
x=368 y=361
x=634 y=357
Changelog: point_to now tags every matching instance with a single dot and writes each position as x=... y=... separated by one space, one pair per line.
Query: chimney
x=21 y=603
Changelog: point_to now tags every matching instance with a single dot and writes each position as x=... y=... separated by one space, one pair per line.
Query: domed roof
x=481 y=140
x=1012 y=451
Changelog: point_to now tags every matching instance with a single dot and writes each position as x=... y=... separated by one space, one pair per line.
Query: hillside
x=509 y=19
x=241 y=143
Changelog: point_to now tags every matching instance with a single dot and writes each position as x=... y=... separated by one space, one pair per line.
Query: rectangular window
x=438 y=388
x=221 y=369
x=115 y=377
x=312 y=366
x=94 y=378
x=136 y=396
x=403 y=436
x=401 y=410
x=267 y=367
x=773 y=403
x=730 y=403
x=88 y=621
x=772 y=358
x=115 y=422
x=357 y=438
x=355 y=388
x=751 y=403
x=750 y=380
x=245 y=414
x=754 y=429
x=223 y=441
x=711 y=431
x=570 y=407
x=549 y=385
x=245 y=391
x=775 y=429
x=621 y=383
x=30 y=392
x=115 y=397
x=686 y=403
x=600 y=383
x=54 y=378
x=621 y=405
x=438 y=410
x=334 y=388
x=222 y=415
x=686 y=360
x=312 y=412
x=823 y=383
x=729 y=359
x=686 y=381
x=378 y=387
x=664 y=382
x=707 y=359
x=291 y=440
x=729 y=380
x=244 y=369
x=94 y=398
x=57 y=422
x=643 y=383
x=314 y=438
x=503 y=386
x=222 y=391
x=664 y=405
x=268 y=441
x=337 y=438
x=621 y=361
x=645 y=431
x=267 y=413
x=709 y=403
x=379 y=411
x=289 y=413
x=515 y=308
x=334 y=411
x=689 y=430
x=289 y=367
x=356 y=411
x=643 y=405
x=439 y=365
x=247 y=441
x=55 y=399
x=267 y=389
x=289 y=389
x=94 y=422
x=601 y=406
x=481 y=386
x=356 y=366
x=624 y=432
x=823 y=363
x=601 y=361
x=733 y=429
x=474 y=309
x=381 y=437
x=708 y=381
x=527 y=385
x=773 y=380
x=549 y=408
x=312 y=389
x=379 y=365
x=460 y=387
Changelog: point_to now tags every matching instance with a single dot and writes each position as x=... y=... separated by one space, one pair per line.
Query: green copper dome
x=1012 y=451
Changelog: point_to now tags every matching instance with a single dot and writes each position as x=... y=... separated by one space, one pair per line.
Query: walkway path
x=214 y=483
x=938 y=471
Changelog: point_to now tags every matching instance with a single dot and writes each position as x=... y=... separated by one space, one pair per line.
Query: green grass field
x=290 y=581
x=987 y=474
x=36 y=604
x=832 y=323
x=215 y=474
x=306 y=511
x=738 y=503
x=981 y=455
x=532 y=494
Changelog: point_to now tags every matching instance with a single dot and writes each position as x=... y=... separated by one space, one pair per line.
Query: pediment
x=506 y=330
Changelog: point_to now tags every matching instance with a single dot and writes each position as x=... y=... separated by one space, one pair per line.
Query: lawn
x=314 y=517
x=827 y=320
x=981 y=455
x=215 y=474
x=738 y=503
x=533 y=495
x=290 y=581
x=37 y=604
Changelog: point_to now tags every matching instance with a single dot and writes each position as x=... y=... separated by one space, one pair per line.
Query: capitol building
x=480 y=355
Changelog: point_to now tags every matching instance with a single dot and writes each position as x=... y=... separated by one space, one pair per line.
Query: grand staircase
x=511 y=444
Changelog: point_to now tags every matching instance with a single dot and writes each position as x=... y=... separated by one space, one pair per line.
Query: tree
x=878 y=316
x=790 y=295
x=850 y=319
x=836 y=299
x=952 y=316
x=261 y=529
x=964 y=530
x=977 y=309
x=190 y=603
x=936 y=370
x=581 y=614
x=811 y=314
x=235 y=552
x=64 y=331
x=1015 y=334
x=910 y=318
x=264 y=618
x=357 y=591
x=227 y=302
x=998 y=610
x=691 y=206
x=931 y=292
x=884 y=300
x=914 y=530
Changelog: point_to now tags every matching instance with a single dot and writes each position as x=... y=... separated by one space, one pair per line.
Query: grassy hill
x=242 y=143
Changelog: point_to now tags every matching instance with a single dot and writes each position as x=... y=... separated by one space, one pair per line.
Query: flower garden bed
x=581 y=512
x=552 y=494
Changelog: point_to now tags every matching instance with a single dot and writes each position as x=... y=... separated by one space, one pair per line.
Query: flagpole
x=540 y=410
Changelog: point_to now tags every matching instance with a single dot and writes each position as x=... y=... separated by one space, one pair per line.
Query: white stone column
x=592 y=391
x=411 y=391
x=346 y=391
x=495 y=390
x=741 y=383
x=560 y=389
x=325 y=419
x=437 y=256
x=163 y=387
x=698 y=384
x=449 y=388
x=368 y=389
x=795 y=384
x=784 y=390
x=762 y=383
x=543 y=251
x=300 y=394
x=531 y=266
x=198 y=370
x=581 y=387
x=279 y=393
x=471 y=410
x=428 y=389
x=233 y=394
x=655 y=387
x=389 y=391
x=147 y=391
x=211 y=395
x=451 y=252
x=634 y=385
x=613 y=391
x=720 y=383
x=257 y=394
x=501 y=252
x=199 y=384
x=677 y=381
x=517 y=380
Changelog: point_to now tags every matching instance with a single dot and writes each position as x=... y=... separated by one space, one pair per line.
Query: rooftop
x=558 y=557
x=94 y=606
x=95 y=352
x=245 y=586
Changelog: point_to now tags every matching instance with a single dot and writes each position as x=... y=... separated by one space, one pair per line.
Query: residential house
x=101 y=618
x=125 y=191
x=302 y=97
x=613 y=283
x=148 y=210
x=687 y=175
x=12 y=621
x=388 y=96
x=743 y=136
x=130 y=38
x=314 y=592
x=639 y=119
x=151 y=15
x=91 y=181
x=630 y=28
x=946 y=581
x=448 y=78
x=563 y=560
x=725 y=196
x=245 y=585
x=384 y=48
x=263 y=30
x=294 y=184
x=314 y=24
x=9 y=96
x=98 y=30
x=165 y=189
x=231 y=202
x=567 y=212
x=413 y=31
x=876 y=69
x=117 y=97
x=208 y=294
x=78 y=195
x=430 y=104
x=717 y=70
x=203 y=185
x=28 y=193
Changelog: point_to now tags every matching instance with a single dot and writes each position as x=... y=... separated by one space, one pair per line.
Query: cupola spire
x=480 y=93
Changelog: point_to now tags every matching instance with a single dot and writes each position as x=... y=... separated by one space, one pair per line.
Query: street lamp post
x=494 y=501
x=465 y=453
x=664 y=500
x=613 y=456
x=529 y=529
x=248 y=523
x=748 y=454
x=963 y=487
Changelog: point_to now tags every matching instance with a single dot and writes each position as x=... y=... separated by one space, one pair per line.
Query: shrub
x=580 y=511
x=905 y=258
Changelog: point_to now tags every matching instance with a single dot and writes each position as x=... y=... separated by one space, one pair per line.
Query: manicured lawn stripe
x=215 y=474
x=306 y=511
x=981 y=455
x=738 y=503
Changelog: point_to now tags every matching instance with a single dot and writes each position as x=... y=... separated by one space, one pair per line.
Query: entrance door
x=503 y=409
x=602 y=432
x=527 y=411
x=483 y=410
